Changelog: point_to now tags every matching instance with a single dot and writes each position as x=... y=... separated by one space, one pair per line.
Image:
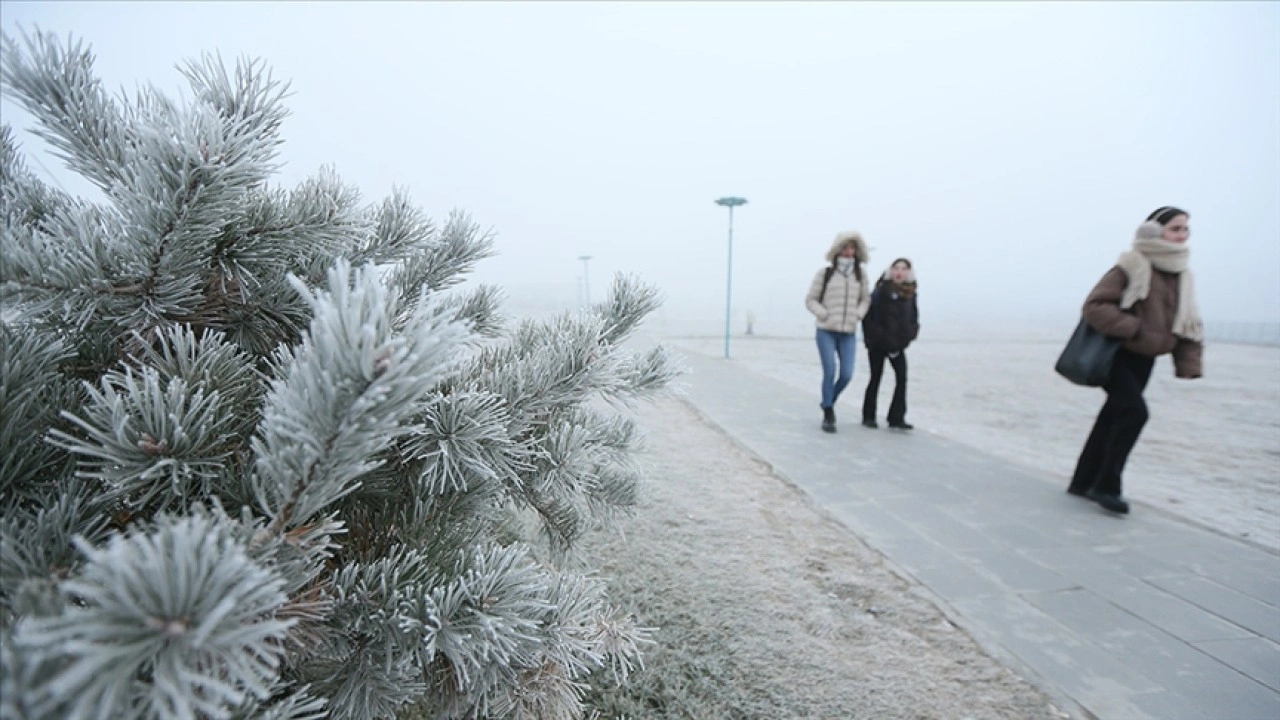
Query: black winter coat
x=892 y=322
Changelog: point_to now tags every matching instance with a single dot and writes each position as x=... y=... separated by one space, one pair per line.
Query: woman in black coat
x=888 y=328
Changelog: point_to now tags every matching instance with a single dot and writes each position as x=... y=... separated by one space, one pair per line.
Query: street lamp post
x=731 y=203
x=586 y=278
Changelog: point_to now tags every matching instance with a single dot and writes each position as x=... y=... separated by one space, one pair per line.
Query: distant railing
x=1243 y=333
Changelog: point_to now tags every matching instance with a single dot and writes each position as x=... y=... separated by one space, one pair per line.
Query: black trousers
x=1117 y=428
x=897 y=408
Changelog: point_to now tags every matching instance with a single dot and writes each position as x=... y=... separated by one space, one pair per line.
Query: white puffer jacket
x=847 y=298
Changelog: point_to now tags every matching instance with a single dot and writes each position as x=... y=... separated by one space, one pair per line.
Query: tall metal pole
x=731 y=203
x=728 y=286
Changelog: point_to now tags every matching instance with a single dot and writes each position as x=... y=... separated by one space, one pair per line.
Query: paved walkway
x=1134 y=618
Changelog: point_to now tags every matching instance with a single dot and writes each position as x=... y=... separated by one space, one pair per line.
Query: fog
x=1008 y=149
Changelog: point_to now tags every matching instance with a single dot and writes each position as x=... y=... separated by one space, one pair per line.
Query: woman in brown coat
x=1148 y=301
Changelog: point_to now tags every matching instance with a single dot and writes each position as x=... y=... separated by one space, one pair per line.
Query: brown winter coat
x=1146 y=327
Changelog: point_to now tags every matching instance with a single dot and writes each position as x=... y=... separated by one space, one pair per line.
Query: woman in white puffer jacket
x=839 y=298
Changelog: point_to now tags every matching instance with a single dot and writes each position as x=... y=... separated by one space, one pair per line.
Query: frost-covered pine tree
x=260 y=456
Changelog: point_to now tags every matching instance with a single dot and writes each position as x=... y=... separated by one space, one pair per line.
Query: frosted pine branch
x=406 y=476
x=400 y=231
x=25 y=199
x=31 y=390
x=478 y=310
x=455 y=250
x=299 y=705
x=173 y=624
x=351 y=383
x=78 y=119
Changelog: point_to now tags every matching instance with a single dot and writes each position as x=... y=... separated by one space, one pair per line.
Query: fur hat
x=849 y=237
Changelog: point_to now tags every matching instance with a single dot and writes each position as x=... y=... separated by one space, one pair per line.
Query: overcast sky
x=1008 y=149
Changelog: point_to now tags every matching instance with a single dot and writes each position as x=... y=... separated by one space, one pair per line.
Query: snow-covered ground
x=767 y=607
x=1210 y=453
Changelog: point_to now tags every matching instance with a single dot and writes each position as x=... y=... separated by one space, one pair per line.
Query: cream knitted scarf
x=1150 y=249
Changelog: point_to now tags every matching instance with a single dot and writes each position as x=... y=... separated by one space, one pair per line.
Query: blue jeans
x=833 y=345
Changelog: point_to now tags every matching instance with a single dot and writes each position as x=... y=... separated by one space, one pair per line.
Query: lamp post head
x=584 y=258
x=731 y=201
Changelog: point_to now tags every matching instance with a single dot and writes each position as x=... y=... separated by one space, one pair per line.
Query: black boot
x=828 y=419
x=901 y=425
x=870 y=422
x=1109 y=502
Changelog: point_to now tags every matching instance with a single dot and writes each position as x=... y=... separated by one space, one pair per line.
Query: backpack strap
x=826 y=278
